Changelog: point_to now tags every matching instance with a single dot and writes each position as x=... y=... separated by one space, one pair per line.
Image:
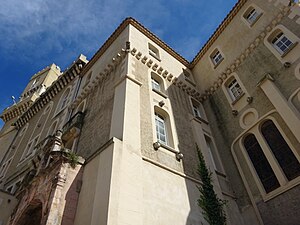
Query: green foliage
x=211 y=205
x=73 y=159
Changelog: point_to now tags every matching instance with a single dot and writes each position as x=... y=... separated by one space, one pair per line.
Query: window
x=216 y=57
x=64 y=99
x=14 y=187
x=282 y=43
x=10 y=189
x=280 y=149
x=281 y=159
x=260 y=164
x=155 y=84
x=30 y=148
x=52 y=129
x=33 y=84
x=160 y=129
x=196 y=108
x=153 y=51
x=4 y=167
x=234 y=89
x=213 y=154
x=81 y=107
x=252 y=14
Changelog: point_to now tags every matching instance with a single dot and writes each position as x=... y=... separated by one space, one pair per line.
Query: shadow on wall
x=181 y=108
x=71 y=200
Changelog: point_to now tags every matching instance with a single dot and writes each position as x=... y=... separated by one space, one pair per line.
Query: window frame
x=216 y=57
x=171 y=139
x=4 y=167
x=161 y=119
x=154 y=51
x=155 y=84
x=197 y=109
x=273 y=151
x=278 y=39
x=30 y=148
x=284 y=183
x=63 y=101
x=160 y=82
x=290 y=55
x=232 y=89
x=248 y=15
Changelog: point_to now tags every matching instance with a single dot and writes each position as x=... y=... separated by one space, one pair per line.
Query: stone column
x=281 y=104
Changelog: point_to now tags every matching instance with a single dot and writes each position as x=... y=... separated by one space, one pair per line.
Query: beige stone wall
x=204 y=72
x=7 y=204
x=38 y=126
x=99 y=102
x=249 y=62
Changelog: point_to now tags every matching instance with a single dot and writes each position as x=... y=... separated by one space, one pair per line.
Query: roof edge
x=236 y=8
x=141 y=28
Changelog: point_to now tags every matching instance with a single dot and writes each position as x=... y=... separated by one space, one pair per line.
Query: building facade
x=113 y=140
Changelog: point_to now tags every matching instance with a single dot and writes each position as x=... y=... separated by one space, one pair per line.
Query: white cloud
x=64 y=28
x=39 y=27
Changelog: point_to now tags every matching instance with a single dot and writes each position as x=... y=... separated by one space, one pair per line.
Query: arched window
x=157 y=84
x=281 y=42
x=252 y=14
x=260 y=163
x=81 y=107
x=52 y=128
x=64 y=99
x=161 y=131
x=282 y=152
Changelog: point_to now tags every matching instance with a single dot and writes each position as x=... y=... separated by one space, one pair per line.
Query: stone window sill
x=154 y=56
x=291 y=184
x=257 y=18
x=200 y=120
x=160 y=93
x=217 y=64
x=289 y=49
x=238 y=98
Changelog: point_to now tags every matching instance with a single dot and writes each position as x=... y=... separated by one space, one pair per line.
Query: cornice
x=51 y=92
x=141 y=28
x=107 y=70
x=165 y=74
x=16 y=110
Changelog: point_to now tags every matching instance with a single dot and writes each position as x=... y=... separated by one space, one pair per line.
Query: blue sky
x=36 y=33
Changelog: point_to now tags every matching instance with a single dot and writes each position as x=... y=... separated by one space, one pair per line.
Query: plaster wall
x=234 y=33
x=100 y=102
x=7 y=204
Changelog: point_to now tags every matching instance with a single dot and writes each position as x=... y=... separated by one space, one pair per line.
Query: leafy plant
x=211 y=205
x=73 y=159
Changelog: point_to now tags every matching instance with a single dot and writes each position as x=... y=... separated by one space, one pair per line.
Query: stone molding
x=164 y=73
x=141 y=28
x=238 y=61
x=51 y=92
x=15 y=110
x=108 y=69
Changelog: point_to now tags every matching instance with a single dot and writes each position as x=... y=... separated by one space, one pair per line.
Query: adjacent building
x=113 y=140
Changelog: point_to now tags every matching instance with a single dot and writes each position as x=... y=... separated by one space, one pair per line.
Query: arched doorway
x=32 y=215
